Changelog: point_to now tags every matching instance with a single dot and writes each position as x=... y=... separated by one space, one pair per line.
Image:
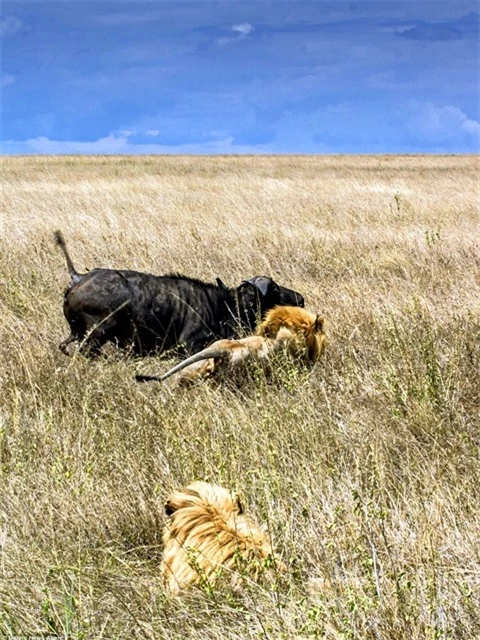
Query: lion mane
x=300 y=331
x=207 y=535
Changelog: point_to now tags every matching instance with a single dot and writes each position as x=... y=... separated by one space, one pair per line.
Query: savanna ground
x=366 y=471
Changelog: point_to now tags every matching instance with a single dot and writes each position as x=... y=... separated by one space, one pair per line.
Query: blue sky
x=240 y=77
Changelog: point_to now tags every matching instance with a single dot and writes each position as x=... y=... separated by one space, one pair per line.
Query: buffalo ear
x=262 y=283
x=319 y=324
x=220 y=283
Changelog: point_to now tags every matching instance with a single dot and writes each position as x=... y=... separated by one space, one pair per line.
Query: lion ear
x=319 y=323
x=239 y=504
x=169 y=507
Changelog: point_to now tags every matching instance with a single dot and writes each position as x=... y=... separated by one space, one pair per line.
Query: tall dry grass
x=365 y=471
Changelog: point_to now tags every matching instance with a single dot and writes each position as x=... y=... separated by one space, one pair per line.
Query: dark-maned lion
x=293 y=330
x=207 y=535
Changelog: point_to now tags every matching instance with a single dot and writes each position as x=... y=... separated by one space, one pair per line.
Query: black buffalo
x=156 y=313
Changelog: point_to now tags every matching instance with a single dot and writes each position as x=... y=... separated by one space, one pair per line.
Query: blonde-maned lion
x=303 y=331
x=207 y=535
x=293 y=330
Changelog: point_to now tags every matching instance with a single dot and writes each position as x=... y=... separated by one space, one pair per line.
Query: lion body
x=238 y=353
x=290 y=329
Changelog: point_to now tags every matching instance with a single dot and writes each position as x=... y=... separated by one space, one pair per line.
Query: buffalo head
x=271 y=294
x=261 y=293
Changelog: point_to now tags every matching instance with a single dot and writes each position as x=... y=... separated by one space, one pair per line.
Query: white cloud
x=472 y=126
x=10 y=25
x=400 y=29
x=241 y=32
x=245 y=28
x=349 y=127
x=7 y=79
x=43 y=145
x=115 y=144
x=416 y=127
x=440 y=124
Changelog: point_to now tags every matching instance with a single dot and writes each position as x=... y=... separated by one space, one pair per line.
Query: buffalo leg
x=65 y=346
x=97 y=336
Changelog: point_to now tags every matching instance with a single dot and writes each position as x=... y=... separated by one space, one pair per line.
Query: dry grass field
x=366 y=470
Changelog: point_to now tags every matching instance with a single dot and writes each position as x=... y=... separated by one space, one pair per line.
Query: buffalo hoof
x=67 y=347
